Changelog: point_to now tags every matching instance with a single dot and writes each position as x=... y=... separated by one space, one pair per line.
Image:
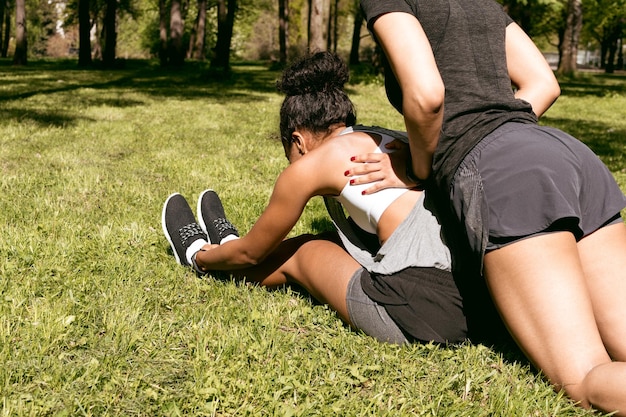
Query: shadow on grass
x=50 y=83
x=54 y=81
x=593 y=84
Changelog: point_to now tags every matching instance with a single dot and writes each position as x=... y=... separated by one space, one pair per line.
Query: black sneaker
x=180 y=228
x=213 y=220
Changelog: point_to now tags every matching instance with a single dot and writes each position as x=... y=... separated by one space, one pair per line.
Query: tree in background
x=21 y=51
x=283 y=31
x=109 y=34
x=616 y=33
x=333 y=26
x=84 y=34
x=356 y=34
x=176 y=53
x=3 y=10
x=605 y=24
x=84 y=18
x=316 y=25
x=275 y=31
x=197 y=48
x=7 y=28
x=571 y=37
x=163 y=32
x=226 y=11
x=537 y=17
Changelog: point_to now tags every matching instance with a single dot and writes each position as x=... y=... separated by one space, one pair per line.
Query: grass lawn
x=97 y=319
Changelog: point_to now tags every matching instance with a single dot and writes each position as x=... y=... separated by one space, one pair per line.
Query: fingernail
x=347 y=173
x=353 y=158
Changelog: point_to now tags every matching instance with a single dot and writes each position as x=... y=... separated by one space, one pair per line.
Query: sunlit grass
x=96 y=318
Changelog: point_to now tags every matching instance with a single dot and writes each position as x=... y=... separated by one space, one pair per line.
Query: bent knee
x=592 y=389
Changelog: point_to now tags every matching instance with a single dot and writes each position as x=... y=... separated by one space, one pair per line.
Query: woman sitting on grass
x=399 y=292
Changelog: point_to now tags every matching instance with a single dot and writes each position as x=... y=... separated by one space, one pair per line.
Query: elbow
x=551 y=89
x=550 y=92
x=434 y=106
x=426 y=104
x=434 y=99
x=555 y=91
x=250 y=259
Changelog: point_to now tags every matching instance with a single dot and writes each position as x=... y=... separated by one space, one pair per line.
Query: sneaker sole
x=199 y=212
x=165 y=232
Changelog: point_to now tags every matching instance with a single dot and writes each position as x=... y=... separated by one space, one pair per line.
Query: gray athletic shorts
x=369 y=316
x=527 y=180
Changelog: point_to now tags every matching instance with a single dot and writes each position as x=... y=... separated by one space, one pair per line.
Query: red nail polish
x=353 y=158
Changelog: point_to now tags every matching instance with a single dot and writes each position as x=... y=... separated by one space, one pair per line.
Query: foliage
x=255 y=34
x=96 y=318
x=41 y=25
x=605 y=27
x=599 y=14
x=539 y=18
x=256 y=30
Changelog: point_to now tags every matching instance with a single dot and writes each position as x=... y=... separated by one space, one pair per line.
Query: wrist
x=410 y=175
x=194 y=263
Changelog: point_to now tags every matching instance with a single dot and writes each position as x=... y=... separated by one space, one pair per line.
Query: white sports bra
x=366 y=210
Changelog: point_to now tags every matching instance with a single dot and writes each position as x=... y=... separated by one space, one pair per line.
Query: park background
x=573 y=34
x=97 y=319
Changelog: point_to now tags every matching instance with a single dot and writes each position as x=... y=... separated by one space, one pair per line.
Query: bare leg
x=540 y=288
x=603 y=256
x=319 y=265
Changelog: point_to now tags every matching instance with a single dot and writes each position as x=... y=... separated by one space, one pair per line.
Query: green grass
x=97 y=319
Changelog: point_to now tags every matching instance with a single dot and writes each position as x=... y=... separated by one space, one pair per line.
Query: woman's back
x=379 y=213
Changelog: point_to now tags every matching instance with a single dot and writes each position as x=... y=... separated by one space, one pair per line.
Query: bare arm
x=529 y=71
x=411 y=58
x=286 y=204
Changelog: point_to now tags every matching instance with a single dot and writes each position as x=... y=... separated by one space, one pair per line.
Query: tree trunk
x=336 y=26
x=196 y=42
x=614 y=36
x=96 y=46
x=569 y=51
x=7 y=28
x=610 y=60
x=3 y=4
x=163 y=32
x=20 y=57
x=604 y=48
x=356 y=36
x=176 y=52
x=84 y=34
x=316 y=25
x=620 y=54
x=226 y=10
x=283 y=30
x=7 y=32
x=110 y=34
x=332 y=30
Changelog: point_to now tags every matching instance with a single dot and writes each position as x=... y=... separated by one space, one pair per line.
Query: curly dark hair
x=314 y=96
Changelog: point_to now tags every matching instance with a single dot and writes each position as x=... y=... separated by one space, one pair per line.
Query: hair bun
x=315 y=73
